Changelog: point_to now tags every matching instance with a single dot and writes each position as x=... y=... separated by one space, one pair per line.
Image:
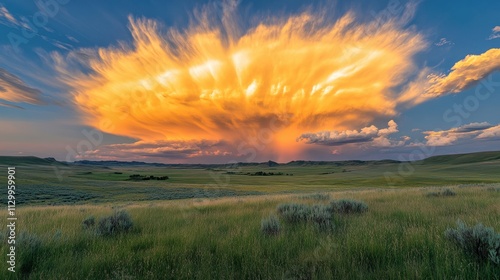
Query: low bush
x=293 y=212
x=321 y=216
x=347 y=206
x=479 y=241
x=316 y=196
x=270 y=225
x=88 y=222
x=446 y=192
x=118 y=222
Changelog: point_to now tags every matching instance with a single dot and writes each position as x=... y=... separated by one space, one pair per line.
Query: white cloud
x=371 y=134
x=461 y=134
x=4 y=13
x=443 y=42
x=495 y=34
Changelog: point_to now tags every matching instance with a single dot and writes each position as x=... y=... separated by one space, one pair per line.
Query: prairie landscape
x=249 y=139
x=188 y=227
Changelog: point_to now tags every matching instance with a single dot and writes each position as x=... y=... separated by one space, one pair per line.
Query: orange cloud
x=13 y=89
x=465 y=73
x=281 y=77
x=180 y=151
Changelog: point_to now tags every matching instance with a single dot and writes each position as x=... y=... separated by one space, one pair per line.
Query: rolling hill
x=452 y=159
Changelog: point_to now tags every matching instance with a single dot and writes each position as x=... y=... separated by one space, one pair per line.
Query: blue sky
x=44 y=119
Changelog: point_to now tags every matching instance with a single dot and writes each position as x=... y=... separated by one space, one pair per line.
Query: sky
x=248 y=81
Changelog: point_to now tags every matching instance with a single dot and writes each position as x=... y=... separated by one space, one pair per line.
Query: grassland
x=400 y=237
x=46 y=182
x=191 y=227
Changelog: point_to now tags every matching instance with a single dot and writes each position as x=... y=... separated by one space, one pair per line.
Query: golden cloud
x=212 y=81
x=465 y=73
x=13 y=89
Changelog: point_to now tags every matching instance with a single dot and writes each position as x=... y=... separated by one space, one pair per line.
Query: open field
x=400 y=237
x=190 y=227
x=53 y=183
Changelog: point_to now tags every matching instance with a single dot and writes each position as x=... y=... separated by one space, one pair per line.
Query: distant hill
x=463 y=158
x=340 y=163
x=442 y=159
x=28 y=160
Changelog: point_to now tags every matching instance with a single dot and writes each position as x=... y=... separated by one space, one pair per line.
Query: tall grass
x=400 y=237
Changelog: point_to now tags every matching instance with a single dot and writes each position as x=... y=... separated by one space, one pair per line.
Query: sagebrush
x=479 y=241
x=294 y=212
x=347 y=206
x=119 y=222
x=270 y=225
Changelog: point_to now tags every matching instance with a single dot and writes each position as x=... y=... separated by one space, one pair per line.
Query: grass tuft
x=31 y=249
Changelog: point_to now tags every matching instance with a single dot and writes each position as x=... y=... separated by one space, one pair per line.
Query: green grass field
x=193 y=227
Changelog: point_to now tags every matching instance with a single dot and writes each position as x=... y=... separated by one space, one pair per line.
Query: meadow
x=190 y=227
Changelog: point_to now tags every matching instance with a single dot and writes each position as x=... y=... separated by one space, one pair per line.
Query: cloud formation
x=495 y=34
x=376 y=137
x=213 y=81
x=6 y=15
x=472 y=131
x=443 y=42
x=6 y=18
x=13 y=89
x=465 y=73
x=173 y=151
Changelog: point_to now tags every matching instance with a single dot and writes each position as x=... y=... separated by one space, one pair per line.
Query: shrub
x=346 y=206
x=293 y=212
x=118 y=222
x=88 y=222
x=320 y=215
x=448 y=192
x=479 y=241
x=270 y=225
x=316 y=196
